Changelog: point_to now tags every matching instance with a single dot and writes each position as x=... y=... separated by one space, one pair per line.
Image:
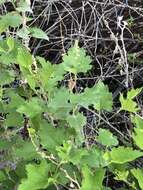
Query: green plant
x=130 y=21
x=43 y=145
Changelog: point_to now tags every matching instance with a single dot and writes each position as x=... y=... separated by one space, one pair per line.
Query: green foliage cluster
x=42 y=141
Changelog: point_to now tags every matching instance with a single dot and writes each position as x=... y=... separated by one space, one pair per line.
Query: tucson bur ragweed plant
x=43 y=144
